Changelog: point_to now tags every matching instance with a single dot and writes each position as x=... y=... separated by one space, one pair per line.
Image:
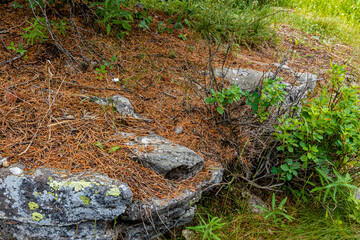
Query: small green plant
x=183 y=37
x=178 y=24
x=172 y=54
x=112 y=14
x=103 y=69
x=114 y=149
x=161 y=28
x=17 y=5
x=277 y=213
x=191 y=48
x=208 y=229
x=60 y=26
x=36 y=32
x=101 y=72
x=169 y=29
x=99 y=145
x=17 y=49
x=144 y=24
x=287 y=170
x=225 y=97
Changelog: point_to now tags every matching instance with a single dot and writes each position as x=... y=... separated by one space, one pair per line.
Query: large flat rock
x=166 y=158
x=51 y=205
x=48 y=204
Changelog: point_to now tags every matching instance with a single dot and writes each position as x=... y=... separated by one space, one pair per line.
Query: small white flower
x=115 y=79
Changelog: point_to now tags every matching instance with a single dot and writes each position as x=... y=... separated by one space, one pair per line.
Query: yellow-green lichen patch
x=33 y=205
x=85 y=200
x=113 y=191
x=76 y=185
x=37 y=216
x=37 y=194
x=79 y=185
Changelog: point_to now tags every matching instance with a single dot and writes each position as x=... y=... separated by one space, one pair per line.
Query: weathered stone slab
x=151 y=218
x=246 y=79
x=166 y=158
x=49 y=206
x=120 y=103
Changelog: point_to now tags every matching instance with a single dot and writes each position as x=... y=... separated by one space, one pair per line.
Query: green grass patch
x=340 y=19
x=226 y=217
x=245 y=22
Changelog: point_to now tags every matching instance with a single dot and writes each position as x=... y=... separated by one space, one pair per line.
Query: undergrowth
x=246 y=21
x=329 y=19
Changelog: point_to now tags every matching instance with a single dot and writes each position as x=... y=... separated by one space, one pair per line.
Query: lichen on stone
x=33 y=205
x=37 y=216
x=37 y=194
x=85 y=200
x=76 y=185
x=113 y=191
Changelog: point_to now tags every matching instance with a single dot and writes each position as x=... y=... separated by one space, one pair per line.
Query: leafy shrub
x=225 y=97
x=271 y=94
x=111 y=13
x=325 y=134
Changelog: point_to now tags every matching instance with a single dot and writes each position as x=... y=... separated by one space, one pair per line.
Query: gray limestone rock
x=166 y=158
x=249 y=80
x=58 y=205
x=246 y=79
x=120 y=103
x=151 y=218
x=49 y=206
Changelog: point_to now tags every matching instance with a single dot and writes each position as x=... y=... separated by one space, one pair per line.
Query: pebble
x=178 y=130
x=16 y=170
x=4 y=162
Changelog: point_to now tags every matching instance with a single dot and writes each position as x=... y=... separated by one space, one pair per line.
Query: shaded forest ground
x=47 y=119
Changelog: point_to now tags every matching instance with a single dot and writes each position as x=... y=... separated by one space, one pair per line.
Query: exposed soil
x=47 y=120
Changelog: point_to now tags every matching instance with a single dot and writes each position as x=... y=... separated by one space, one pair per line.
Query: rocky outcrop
x=47 y=205
x=249 y=80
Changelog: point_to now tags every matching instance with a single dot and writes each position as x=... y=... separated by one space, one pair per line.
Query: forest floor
x=47 y=121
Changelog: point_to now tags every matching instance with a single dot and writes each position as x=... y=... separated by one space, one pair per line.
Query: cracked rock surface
x=166 y=158
x=52 y=205
x=47 y=205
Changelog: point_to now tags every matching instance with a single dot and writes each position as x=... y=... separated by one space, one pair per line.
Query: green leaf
x=285 y=167
x=99 y=145
x=289 y=176
x=210 y=100
x=220 y=110
x=114 y=149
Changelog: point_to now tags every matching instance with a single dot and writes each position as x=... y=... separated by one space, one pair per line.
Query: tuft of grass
x=245 y=22
x=237 y=222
